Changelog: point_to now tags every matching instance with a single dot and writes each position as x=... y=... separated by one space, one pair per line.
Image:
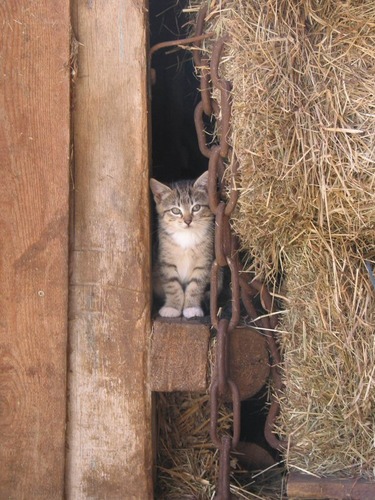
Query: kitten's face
x=184 y=205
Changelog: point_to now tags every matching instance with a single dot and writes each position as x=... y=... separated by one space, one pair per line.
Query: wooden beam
x=179 y=355
x=109 y=434
x=179 y=359
x=34 y=187
x=310 y=487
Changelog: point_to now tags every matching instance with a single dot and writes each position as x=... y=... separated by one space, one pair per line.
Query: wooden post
x=34 y=187
x=109 y=433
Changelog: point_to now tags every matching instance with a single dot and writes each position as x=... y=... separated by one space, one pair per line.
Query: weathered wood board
x=109 y=428
x=34 y=186
x=179 y=355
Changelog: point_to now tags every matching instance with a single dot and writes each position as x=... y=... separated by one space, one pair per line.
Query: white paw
x=169 y=312
x=193 y=312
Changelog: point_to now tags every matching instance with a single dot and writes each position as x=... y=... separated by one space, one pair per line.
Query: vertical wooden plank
x=34 y=162
x=109 y=436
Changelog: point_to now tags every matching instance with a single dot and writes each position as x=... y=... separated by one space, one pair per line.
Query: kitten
x=185 y=252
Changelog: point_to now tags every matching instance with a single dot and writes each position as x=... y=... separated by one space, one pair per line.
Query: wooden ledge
x=179 y=357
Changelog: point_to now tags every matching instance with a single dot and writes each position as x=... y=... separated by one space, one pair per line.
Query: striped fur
x=185 y=246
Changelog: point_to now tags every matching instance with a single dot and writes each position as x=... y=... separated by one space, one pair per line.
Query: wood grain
x=179 y=355
x=34 y=160
x=109 y=434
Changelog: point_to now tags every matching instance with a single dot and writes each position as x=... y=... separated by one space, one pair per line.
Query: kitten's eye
x=176 y=211
x=196 y=208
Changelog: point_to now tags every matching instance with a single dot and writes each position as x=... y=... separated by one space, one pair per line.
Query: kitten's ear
x=159 y=190
x=202 y=180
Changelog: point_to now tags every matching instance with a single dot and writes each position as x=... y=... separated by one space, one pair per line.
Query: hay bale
x=303 y=122
x=328 y=341
x=303 y=130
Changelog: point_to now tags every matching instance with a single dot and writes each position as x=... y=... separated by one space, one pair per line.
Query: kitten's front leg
x=194 y=293
x=174 y=298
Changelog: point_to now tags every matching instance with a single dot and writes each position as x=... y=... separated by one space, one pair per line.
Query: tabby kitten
x=185 y=252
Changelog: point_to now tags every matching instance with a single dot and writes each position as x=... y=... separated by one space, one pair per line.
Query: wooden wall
x=34 y=163
x=109 y=432
x=108 y=438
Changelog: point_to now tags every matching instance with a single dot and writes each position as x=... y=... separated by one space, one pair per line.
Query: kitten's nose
x=188 y=221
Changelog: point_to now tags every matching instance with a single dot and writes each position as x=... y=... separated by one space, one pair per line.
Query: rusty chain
x=222 y=205
x=222 y=200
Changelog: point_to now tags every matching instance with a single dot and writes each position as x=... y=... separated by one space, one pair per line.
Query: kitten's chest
x=185 y=263
x=187 y=252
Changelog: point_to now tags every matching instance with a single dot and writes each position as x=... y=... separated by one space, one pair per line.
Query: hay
x=188 y=463
x=303 y=122
x=303 y=130
x=328 y=412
